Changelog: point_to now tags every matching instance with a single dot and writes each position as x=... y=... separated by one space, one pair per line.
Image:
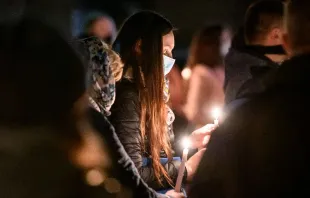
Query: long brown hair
x=147 y=28
x=205 y=47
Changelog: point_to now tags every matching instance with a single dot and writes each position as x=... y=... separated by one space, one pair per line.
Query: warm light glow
x=216 y=112
x=186 y=143
x=112 y=185
x=186 y=73
x=94 y=177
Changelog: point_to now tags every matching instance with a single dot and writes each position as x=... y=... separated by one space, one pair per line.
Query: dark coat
x=123 y=167
x=125 y=118
x=245 y=69
x=262 y=149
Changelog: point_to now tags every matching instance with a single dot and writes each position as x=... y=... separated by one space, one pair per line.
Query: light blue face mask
x=168 y=64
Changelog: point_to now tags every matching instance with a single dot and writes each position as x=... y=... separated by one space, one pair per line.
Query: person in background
x=181 y=125
x=262 y=149
x=100 y=25
x=246 y=66
x=205 y=86
x=140 y=115
x=104 y=69
x=47 y=149
x=176 y=88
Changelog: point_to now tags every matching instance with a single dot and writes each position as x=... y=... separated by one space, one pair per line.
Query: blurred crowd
x=104 y=114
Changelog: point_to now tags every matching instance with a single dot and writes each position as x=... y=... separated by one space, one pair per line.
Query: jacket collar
x=276 y=49
x=259 y=52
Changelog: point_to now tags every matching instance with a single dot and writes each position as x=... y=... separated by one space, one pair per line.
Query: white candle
x=216 y=114
x=216 y=122
x=182 y=166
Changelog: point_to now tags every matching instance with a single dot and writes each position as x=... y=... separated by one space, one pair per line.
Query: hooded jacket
x=245 y=70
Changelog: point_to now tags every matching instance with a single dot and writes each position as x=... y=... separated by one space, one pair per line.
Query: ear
x=138 y=47
x=286 y=44
x=276 y=36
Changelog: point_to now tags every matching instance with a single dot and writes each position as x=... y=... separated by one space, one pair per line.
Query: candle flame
x=186 y=143
x=216 y=112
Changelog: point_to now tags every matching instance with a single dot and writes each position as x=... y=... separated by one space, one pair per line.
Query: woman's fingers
x=200 y=137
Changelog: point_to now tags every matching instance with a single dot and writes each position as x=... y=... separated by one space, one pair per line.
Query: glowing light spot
x=216 y=113
x=94 y=177
x=112 y=185
x=186 y=73
x=186 y=143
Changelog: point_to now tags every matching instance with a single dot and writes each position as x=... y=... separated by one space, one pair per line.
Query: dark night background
x=187 y=16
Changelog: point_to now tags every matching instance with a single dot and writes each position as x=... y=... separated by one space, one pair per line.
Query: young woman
x=140 y=115
x=104 y=69
x=205 y=85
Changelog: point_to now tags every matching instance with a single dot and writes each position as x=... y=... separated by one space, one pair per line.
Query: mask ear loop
x=142 y=77
x=166 y=89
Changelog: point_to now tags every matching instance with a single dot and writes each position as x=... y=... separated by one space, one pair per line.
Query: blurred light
x=186 y=73
x=112 y=185
x=186 y=143
x=216 y=112
x=94 y=177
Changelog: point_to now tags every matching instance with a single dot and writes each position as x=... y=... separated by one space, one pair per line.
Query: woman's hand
x=200 y=137
x=174 y=194
x=193 y=163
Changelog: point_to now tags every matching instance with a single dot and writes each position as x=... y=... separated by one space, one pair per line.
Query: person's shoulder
x=201 y=70
x=126 y=87
x=127 y=94
x=259 y=106
x=125 y=83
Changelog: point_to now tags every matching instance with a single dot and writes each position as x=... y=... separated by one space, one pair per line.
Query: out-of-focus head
x=103 y=27
x=209 y=45
x=297 y=26
x=264 y=23
x=142 y=41
x=41 y=78
x=104 y=69
x=42 y=81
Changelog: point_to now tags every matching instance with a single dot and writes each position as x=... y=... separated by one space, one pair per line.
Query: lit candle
x=216 y=114
x=186 y=145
